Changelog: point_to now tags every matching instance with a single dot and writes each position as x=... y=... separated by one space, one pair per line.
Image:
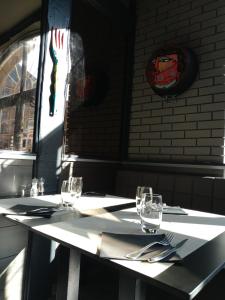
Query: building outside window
x=18 y=78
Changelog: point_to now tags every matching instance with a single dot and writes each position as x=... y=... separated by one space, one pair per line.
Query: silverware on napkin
x=164 y=254
x=165 y=241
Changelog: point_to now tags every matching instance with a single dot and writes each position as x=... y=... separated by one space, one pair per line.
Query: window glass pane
x=18 y=78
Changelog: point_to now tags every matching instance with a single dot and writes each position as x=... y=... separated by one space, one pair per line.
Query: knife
x=166 y=253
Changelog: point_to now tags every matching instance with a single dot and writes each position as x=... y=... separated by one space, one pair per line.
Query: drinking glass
x=66 y=193
x=76 y=186
x=139 y=192
x=151 y=212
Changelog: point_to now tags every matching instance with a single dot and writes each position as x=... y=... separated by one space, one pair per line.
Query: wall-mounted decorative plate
x=171 y=71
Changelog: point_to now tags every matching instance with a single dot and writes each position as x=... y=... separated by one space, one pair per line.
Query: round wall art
x=171 y=71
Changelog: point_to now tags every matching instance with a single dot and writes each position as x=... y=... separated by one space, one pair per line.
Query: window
x=18 y=78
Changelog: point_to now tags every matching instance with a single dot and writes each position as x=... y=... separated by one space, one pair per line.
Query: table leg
x=131 y=288
x=73 y=275
x=39 y=255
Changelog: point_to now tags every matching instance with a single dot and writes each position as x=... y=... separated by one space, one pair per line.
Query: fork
x=56 y=46
x=137 y=253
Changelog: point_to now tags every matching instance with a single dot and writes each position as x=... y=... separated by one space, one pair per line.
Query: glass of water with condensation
x=151 y=212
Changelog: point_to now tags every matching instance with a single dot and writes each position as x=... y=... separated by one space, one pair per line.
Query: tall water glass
x=151 y=212
x=139 y=193
x=76 y=186
x=66 y=193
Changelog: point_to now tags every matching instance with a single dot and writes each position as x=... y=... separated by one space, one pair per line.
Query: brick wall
x=189 y=128
x=94 y=130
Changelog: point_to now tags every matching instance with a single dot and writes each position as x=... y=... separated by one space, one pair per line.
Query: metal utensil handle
x=162 y=255
x=139 y=252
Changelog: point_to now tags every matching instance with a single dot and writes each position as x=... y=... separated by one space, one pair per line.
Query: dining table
x=103 y=235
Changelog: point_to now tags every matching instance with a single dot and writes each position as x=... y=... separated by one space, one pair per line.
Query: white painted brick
x=182 y=158
x=133 y=150
x=141 y=58
x=184 y=24
x=191 y=92
x=173 y=119
x=139 y=143
x=206 y=65
x=197 y=150
x=219 y=115
x=220 y=62
x=221 y=11
x=219 y=97
x=136 y=107
x=220 y=45
x=161 y=127
x=138 y=156
x=173 y=134
x=199 y=100
x=185 y=109
x=174 y=102
x=184 y=142
x=179 y=10
x=218 y=133
x=217 y=151
x=149 y=150
x=140 y=114
x=162 y=112
x=200 y=3
x=187 y=30
x=211 y=124
x=221 y=27
x=135 y=122
x=212 y=90
x=140 y=52
x=210 y=142
x=203 y=33
x=160 y=143
x=160 y=157
x=152 y=105
x=137 y=93
x=212 y=22
x=151 y=120
x=213 y=106
x=142 y=128
x=148 y=91
x=157 y=98
x=198 y=133
x=213 y=5
x=134 y=136
x=203 y=83
x=202 y=49
x=203 y=17
x=199 y=116
x=219 y=80
x=211 y=73
x=210 y=159
x=217 y=54
x=185 y=126
x=138 y=72
x=139 y=100
x=172 y=150
x=150 y=135
x=138 y=79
